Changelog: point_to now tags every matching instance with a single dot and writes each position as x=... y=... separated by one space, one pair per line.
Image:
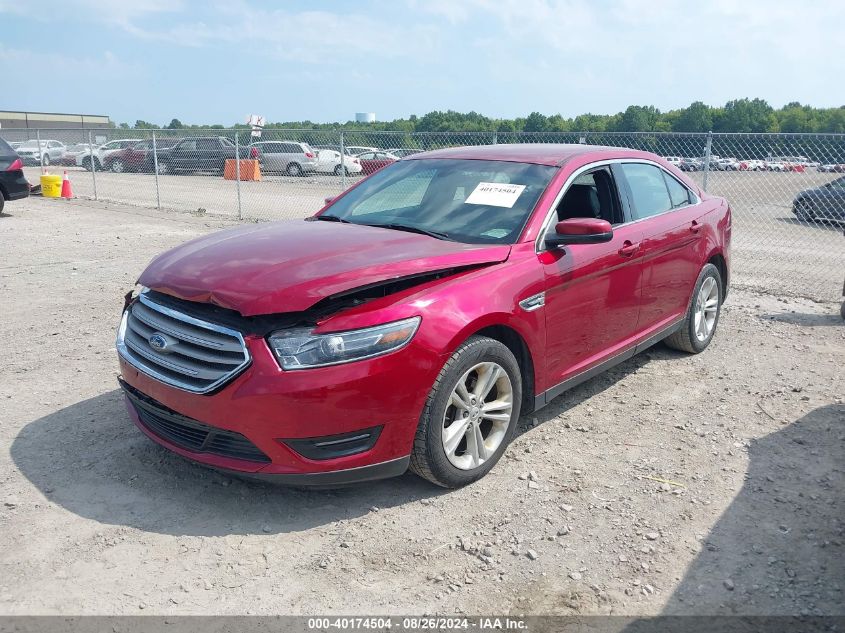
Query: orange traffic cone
x=67 y=191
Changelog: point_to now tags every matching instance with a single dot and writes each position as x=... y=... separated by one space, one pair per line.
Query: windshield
x=30 y=144
x=472 y=201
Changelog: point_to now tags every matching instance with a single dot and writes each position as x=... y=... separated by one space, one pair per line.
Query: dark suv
x=13 y=184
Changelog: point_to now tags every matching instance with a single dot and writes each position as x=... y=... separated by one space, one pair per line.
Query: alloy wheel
x=478 y=415
x=706 y=309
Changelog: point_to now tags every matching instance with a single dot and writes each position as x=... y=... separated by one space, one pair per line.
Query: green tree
x=748 y=115
x=175 y=124
x=698 y=117
x=144 y=125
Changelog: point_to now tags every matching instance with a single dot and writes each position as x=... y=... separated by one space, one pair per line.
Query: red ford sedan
x=411 y=321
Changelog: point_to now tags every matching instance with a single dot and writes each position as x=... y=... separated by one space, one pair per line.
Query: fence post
x=93 y=164
x=40 y=150
x=707 y=148
x=342 y=164
x=495 y=138
x=155 y=171
x=238 y=173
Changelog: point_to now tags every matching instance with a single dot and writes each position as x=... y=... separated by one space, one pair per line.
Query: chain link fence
x=787 y=191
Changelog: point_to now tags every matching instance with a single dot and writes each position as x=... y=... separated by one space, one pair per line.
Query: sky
x=207 y=62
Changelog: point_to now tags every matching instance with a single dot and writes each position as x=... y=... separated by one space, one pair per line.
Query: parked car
x=328 y=162
x=373 y=161
x=31 y=153
x=752 y=165
x=355 y=150
x=675 y=161
x=202 y=153
x=832 y=167
x=823 y=203
x=138 y=157
x=691 y=164
x=402 y=152
x=71 y=152
x=775 y=164
x=291 y=157
x=15 y=145
x=13 y=184
x=102 y=152
x=413 y=319
x=726 y=164
x=335 y=148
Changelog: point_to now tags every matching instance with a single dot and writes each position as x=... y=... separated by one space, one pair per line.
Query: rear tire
x=164 y=168
x=117 y=166
x=467 y=370
x=2 y=203
x=294 y=169
x=697 y=328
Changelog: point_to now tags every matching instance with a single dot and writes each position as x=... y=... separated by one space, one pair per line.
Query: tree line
x=739 y=115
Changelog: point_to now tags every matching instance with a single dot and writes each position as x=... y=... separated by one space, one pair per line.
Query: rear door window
x=648 y=189
x=678 y=194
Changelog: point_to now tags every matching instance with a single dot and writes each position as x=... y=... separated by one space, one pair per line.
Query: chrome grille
x=178 y=349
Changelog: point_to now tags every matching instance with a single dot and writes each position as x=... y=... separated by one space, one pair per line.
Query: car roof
x=555 y=154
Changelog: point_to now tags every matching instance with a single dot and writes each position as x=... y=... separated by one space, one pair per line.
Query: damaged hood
x=290 y=266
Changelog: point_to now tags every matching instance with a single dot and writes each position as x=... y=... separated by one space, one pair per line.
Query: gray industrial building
x=19 y=126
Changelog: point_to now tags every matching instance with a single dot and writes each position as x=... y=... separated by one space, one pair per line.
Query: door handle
x=629 y=248
x=695 y=227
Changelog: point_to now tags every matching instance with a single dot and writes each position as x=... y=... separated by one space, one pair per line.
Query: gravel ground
x=672 y=484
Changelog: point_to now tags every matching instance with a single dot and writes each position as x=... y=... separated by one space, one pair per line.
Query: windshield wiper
x=413 y=229
x=331 y=218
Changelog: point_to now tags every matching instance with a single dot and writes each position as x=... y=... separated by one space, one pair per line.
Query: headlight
x=298 y=348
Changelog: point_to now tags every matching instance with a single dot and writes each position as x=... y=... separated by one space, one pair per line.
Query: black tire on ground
x=45 y=160
x=803 y=211
x=294 y=169
x=428 y=457
x=164 y=168
x=2 y=203
x=841 y=310
x=685 y=339
x=118 y=166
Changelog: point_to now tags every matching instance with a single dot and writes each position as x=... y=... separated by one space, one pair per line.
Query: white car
x=775 y=164
x=727 y=164
x=83 y=157
x=328 y=162
x=360 y=149
x=675 y=161
x=49 y=152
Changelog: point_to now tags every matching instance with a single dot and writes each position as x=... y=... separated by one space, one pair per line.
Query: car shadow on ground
x=586 y=390
x=91 y=460
x=778 y=549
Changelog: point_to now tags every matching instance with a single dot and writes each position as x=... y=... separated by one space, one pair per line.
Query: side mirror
x=329 y=200
x=580 y=231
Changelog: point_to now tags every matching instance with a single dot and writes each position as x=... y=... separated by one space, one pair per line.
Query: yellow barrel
x=51 y=186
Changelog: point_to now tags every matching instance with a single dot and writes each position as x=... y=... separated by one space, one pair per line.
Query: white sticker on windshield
x=497 y=233
x=495 y=194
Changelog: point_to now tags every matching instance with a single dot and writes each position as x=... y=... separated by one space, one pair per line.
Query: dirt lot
x=673 y=484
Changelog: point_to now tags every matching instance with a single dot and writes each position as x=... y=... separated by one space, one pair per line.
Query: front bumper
x=267 y=406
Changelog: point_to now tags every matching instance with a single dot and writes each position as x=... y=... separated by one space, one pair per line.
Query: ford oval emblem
x=159 y=342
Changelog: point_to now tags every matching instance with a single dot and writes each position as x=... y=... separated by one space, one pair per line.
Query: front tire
x=470 y=415
x=294 y=169
x=45 y=160
x=117 y=166
x=164 y=168
x=702 y=316
x=804 y=212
